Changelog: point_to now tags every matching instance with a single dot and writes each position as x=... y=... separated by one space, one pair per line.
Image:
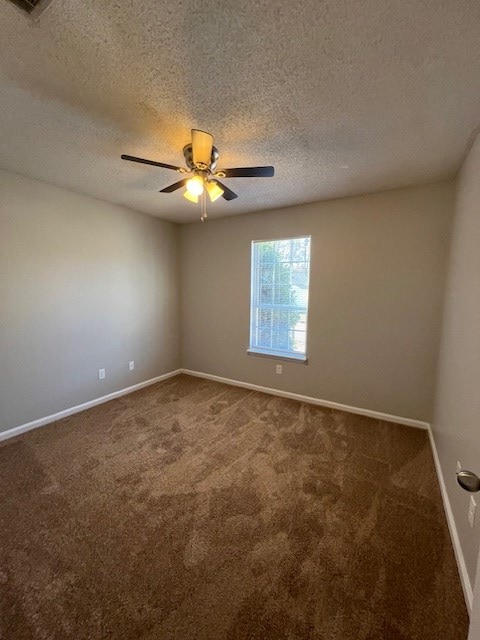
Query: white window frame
x=254 y=306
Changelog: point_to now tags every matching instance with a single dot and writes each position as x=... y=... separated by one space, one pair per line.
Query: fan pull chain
x=203 y=204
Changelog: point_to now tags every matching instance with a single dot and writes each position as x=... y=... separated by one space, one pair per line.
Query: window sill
x=275 y=356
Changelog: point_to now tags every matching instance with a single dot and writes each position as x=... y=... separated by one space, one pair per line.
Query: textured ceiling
x=342 y=96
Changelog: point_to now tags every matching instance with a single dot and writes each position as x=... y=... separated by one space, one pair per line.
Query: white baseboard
x=23 y=428
x=409 y=422
x=462 y=567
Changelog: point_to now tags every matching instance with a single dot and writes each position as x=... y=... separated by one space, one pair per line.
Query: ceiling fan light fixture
x=195 y=186
x=202 y=146
x=200 y=175
x=190 y=196
x=214 y=190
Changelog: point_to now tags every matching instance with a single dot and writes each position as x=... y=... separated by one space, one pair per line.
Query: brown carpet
x=192 y=510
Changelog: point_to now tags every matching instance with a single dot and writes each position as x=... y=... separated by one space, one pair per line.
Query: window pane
x=299 y=297
x=281 y=319
x=266 y=294
x=265 y=317
x=283 y=250
x=299 y=249
x=264 y=337
x=300 y=274
x=280 y=340
x=266 y=252
x=266 y=273
x=282 y=295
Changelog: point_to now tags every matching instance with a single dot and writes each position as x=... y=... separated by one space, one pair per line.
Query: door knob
x=468 y=481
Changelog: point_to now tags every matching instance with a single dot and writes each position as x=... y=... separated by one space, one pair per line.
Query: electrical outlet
x=279 y=368
x=101 y=374
x=471 y=511
x=459 y=466
x=131 y=365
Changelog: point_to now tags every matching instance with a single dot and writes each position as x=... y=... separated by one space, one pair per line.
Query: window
x=279 y=297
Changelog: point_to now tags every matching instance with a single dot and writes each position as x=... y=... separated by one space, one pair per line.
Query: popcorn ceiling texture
x=342 y=97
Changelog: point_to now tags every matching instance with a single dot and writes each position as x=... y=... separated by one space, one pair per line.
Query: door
x=470 y=482
x=474 y=633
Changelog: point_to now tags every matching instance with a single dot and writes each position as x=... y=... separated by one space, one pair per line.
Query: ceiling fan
x=201 y=158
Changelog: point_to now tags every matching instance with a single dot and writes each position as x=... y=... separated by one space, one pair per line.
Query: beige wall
x=377 y=284
x=456 y=424
x=83 y=285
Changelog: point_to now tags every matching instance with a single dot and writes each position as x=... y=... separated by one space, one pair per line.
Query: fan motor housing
x=188 y=154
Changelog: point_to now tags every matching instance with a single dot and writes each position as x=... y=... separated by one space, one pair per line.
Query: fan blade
x=152 y=162
x=228 y=194
x=174 y=186
x=248 y=172
x=202 y=145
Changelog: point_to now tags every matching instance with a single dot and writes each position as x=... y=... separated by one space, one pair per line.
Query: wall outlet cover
x=279 y=369
x=131 y=365
x=101 y=374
